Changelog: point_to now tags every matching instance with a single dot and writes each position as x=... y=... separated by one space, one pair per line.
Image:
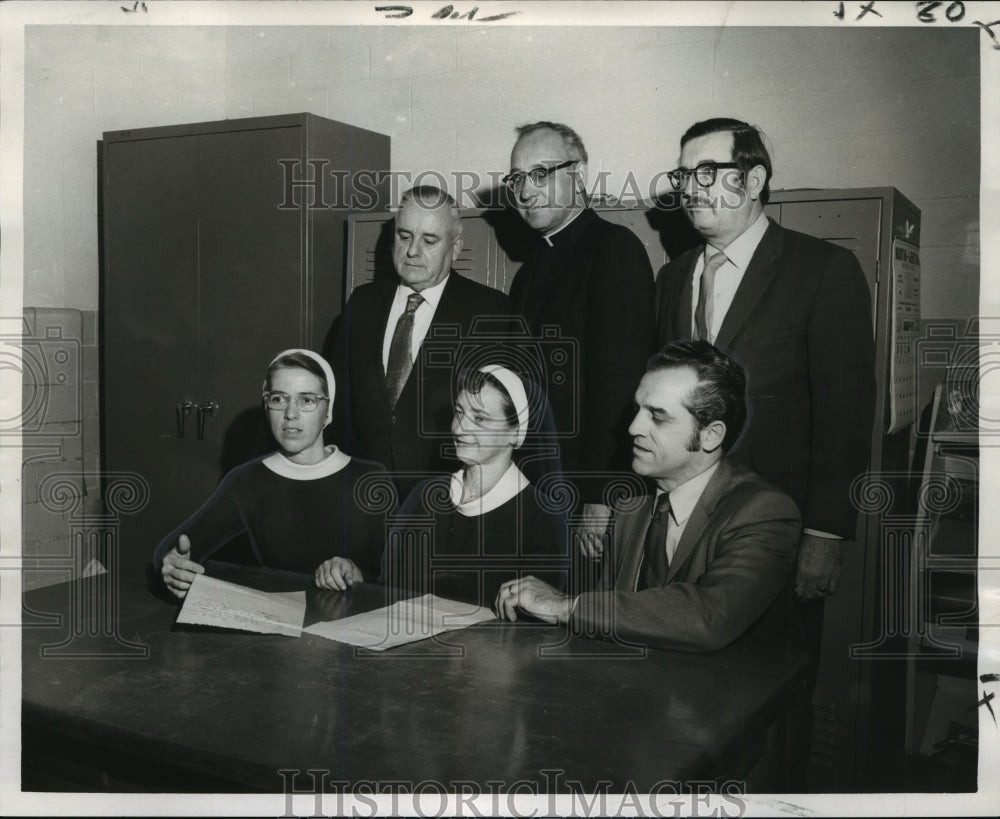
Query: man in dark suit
x=394 y=404
x=796 y=312
x=710 y=556
x=591 y=282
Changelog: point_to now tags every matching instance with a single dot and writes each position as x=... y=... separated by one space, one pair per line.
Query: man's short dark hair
x=721 y=393
x=571 y=139
x=749 y=149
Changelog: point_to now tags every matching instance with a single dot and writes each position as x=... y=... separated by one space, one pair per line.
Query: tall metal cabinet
x=861 y=616
x=222 y=244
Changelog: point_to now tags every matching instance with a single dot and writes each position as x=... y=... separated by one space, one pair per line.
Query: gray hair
x=571 y=139
x=431 y=197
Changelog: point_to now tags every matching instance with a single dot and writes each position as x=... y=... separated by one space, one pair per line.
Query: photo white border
x=14 y=16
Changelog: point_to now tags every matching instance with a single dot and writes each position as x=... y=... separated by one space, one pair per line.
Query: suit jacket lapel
x=446 y=312
x=699 y=519
x=378 y=337
x=682 y=308
x=630 y=535
x=755 y=282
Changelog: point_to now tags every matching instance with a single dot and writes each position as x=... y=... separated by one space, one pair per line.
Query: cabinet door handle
x=183 y=410
x=205 y=408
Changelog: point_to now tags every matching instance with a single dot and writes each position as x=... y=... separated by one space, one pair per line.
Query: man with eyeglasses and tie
x=796 y=312
x=591 y=282
x=396 y=410
x=708 y=557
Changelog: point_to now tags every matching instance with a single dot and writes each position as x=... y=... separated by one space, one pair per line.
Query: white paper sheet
x=212 y=602
x=404 y=622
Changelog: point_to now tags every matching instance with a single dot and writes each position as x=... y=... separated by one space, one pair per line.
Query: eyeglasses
x=305 y=401
x=705 y=174
x=515 y=181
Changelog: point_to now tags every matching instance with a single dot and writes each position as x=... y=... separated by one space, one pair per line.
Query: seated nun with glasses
x=462 y=535
x=306 y=507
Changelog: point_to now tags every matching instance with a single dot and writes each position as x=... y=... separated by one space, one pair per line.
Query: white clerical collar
x=684 y=497
x=431 y=295
x=548 y=236
x=740 y=251
x=510 y=484
x=332 y=463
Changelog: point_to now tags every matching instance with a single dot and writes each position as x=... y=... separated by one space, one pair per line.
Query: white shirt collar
x=740 y=251
x=431 y=295
x=563 y=226
x=332 y=463
x=684 y=497
x=510 y=484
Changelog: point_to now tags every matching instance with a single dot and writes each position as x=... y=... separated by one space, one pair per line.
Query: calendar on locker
x=905 y=330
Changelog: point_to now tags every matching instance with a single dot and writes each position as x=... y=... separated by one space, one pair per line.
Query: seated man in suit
x=397 y=410
x=710 y=556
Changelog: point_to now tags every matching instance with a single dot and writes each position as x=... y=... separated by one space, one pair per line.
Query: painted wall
x=843 y=108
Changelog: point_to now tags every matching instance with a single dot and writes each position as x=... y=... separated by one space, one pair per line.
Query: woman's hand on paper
x=178 y=570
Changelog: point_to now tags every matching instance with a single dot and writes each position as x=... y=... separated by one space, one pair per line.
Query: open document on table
x=404 y=622
x=213 y=602
x=218 y=603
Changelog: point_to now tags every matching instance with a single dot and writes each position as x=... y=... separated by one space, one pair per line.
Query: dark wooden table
x=116 y=696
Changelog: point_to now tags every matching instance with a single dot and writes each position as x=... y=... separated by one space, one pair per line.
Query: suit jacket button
x=393 y=419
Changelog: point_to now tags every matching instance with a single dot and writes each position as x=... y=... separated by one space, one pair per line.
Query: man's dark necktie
x=400 y=360
x=705 y=309
x=654 y=564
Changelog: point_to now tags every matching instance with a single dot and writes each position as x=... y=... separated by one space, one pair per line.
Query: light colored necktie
x=400 y=358
x=704 y=312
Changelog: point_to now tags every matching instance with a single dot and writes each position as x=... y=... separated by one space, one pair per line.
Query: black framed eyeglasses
x=305 y=401
x=704 y=174
x=515 y=181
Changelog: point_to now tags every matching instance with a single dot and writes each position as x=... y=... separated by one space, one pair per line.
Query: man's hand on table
x=338 y=573
x=178 y=570
x=535 y=597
